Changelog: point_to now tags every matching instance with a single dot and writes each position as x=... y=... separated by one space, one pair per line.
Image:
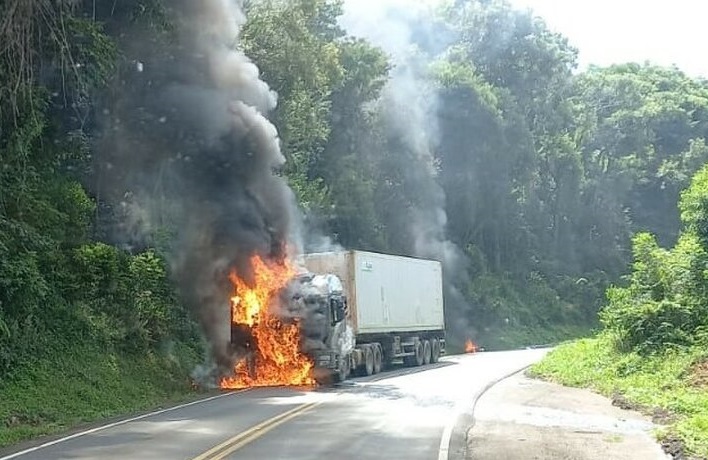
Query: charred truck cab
x=320 y=305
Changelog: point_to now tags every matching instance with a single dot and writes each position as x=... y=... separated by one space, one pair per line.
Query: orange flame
x=277 y=358
x=470 y=346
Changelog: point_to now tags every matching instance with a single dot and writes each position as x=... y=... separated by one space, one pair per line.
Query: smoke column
x=393 y=25
x=187 y=146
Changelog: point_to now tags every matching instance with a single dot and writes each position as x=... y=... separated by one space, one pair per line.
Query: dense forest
x=464 y=134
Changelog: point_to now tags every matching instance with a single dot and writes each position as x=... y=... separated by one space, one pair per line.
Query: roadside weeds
x=75 y=390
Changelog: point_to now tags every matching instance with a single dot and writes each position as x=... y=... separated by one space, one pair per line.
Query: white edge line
x=118 y=423
x=444 y=449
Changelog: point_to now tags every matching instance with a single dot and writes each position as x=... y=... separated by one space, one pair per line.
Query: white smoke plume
x=410 y=104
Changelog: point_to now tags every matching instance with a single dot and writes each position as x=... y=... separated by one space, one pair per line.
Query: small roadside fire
x=275 y=358
x=470 y=346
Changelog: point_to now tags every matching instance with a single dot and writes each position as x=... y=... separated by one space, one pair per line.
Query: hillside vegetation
x=653 y=350
x=476 y=144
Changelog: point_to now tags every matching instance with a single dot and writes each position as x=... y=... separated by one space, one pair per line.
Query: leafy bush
x=694 y=206
x=125 y=301
x=666 y=301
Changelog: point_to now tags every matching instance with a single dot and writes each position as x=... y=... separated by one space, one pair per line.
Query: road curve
x=402 y=414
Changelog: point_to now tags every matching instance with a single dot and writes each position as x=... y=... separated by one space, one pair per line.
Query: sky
x=664 y=32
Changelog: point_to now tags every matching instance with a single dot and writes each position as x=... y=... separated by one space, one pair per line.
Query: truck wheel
x=435 y=357
x=368 y=361
x=427 y=352
x=419 y=359
x=344 y=368
x=378 y=358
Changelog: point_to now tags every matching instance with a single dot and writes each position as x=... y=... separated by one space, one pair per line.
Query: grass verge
x=672 y=387
x=79 y=385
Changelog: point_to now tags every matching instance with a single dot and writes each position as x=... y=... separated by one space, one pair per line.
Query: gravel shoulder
x=526 y=419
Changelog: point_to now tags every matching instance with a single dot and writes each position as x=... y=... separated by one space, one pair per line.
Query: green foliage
x=68 y=385
x=125 y=302
x=452 y=74
x=663 y=381
x=694 y=206
x=291 y=43
x=644 y=139
x=350 y=162
x=91 y=55
x=665 y=303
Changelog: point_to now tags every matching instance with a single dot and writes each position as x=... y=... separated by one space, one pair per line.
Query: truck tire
x=419 y=358
x=378 y=358
x=427 y=352
x=435 y=357
x=369 y=360
x=344 y=369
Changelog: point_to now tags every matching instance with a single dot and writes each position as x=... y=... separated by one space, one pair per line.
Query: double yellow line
x=231 y=445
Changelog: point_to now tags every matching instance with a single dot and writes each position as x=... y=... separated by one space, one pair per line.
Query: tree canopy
x=527 y=176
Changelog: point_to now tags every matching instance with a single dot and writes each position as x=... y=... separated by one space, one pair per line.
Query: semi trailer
x=375 y=310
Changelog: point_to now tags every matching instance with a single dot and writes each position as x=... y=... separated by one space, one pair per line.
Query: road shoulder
x=522 y=418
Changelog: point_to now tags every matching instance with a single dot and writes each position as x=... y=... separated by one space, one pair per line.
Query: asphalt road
x=402 y=414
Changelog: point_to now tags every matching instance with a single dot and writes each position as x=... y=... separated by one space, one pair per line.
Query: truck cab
x=320 y=304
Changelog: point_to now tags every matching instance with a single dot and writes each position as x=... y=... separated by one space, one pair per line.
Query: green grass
x=657 y=382
x=81 y=384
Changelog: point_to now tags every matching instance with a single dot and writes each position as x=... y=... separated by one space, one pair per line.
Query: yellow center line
x=233 y=444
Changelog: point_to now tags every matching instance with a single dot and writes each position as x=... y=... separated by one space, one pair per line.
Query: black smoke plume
x=188 y=147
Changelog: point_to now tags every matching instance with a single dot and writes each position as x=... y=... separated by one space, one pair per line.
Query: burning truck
x=334 y=314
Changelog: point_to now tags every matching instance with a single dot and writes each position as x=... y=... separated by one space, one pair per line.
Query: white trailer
x=394 y=306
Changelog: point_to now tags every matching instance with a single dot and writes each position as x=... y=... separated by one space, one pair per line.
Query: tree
x=645 y=139
x=294 y=45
